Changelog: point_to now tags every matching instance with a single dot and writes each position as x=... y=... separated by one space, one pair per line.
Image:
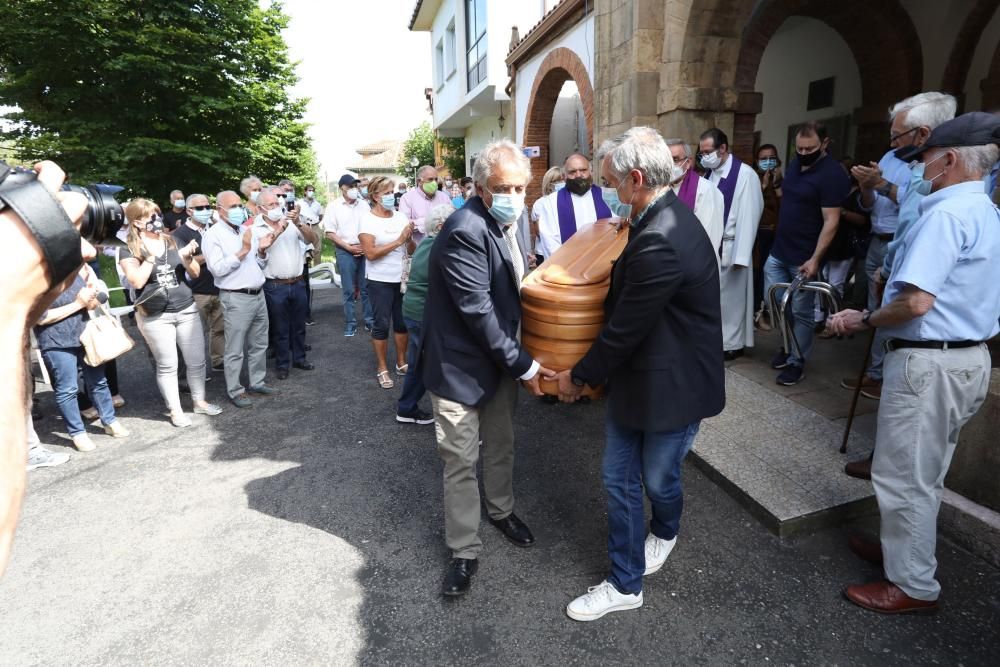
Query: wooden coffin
x=562 y=301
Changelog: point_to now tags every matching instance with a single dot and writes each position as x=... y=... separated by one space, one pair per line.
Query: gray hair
x=688 y=149
x=424 y=169
x=247 y=182
x=926 y=109
x=493 y=154
x=283 y=182
x=436 y=218
x=639 y=148
x=191 y=198
x=274 y=189
x=218 y=197
x=978 y=160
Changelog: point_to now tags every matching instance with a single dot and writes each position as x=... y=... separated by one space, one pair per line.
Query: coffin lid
x=586 y=259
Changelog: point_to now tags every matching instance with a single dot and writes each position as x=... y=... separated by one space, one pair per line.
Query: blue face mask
x=388 y=201
x=202 y=217
x=558 y=186
x=617 y=206
x=919 y=184
x=767 y=164
x=506 y=208
x=364 y=192
x=237 y=215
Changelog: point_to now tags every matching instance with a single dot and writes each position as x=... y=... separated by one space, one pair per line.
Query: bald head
x=578 y=176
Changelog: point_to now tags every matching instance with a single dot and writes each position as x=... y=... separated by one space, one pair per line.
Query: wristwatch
x=867 y=316
x=576 y=381
x=885 y=189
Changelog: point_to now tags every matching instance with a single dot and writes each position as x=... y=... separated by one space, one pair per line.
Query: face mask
x=430 y=187
x=767 y=164
x=364 y=192
x=617 y=206
x=809 y=159
x=178 y=203
x=353 y=194
x=711 y=161
x=202 y=217
x=578 y=186
x=275 y=214
x=677 y=173
x=291 y=196
x=447 y=184
x=470 y=192
x=923 y=186
x=254 y=195
x=310 y=194
x=506 y=208
x=556 y=187
x=237 y=215
x=388 y=201
x=155 y=224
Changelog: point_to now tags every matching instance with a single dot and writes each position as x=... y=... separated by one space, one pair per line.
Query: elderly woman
x=58 y=334
x=407 y=411
x=251 y=187
x=165 y=309
x=553 y=181
x=385 y=237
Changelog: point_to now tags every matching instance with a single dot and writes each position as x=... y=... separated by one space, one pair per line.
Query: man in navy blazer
x=658 y=355
x=472 y=356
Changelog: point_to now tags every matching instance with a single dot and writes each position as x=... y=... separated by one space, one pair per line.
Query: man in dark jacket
x=659 y=356
x=472 y=354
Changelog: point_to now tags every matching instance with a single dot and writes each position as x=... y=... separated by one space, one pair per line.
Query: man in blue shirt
x=883 y=190
x=941 y=302
x=814 y=187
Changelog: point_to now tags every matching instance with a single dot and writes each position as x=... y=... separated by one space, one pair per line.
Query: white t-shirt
x=389 y=268
x=344 y=219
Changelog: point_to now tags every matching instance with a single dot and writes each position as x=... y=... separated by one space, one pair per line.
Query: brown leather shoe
x=886 y=597
x=865 y=549
x=860 y=469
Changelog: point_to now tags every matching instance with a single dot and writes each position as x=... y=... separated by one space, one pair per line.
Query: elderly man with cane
x=941 y=303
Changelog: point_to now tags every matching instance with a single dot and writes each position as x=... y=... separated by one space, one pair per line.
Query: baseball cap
x=347 y=179
x=976 y=128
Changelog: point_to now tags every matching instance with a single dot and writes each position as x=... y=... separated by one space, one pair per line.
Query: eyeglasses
x=896 y=137
x=203 y=207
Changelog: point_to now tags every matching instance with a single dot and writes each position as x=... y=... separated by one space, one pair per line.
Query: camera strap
x=51 y=227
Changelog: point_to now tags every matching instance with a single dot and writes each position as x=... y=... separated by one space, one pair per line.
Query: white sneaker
x=39 y=457
x=83 y=443
x=116 y=430
x=600 y=600
x=657 y=550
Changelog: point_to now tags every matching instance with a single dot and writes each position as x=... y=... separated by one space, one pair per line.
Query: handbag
x=104 y=338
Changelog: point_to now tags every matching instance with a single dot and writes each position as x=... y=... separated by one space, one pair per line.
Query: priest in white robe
x=566 y=211
x=698 y=193
x=743 y=204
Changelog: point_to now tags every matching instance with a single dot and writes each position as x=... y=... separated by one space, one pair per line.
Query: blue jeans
x=776 y=271
x=633 y=459
x=63 y=364
x=352 y=273
x=413 y=383
x=286 y=311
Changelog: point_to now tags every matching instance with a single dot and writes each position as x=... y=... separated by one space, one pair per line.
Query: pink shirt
x=416 y=206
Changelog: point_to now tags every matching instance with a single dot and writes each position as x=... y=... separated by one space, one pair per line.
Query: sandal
x=401 y=370
x=384 y=380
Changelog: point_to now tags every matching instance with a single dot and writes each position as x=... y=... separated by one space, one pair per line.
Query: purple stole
x=689 y=188
x=727 y=186
x=567 y=217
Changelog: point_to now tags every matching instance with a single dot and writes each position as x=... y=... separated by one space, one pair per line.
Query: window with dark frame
x=820 y=94
x=475 y=39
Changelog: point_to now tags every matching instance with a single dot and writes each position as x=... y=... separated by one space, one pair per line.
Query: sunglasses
x=203 y=207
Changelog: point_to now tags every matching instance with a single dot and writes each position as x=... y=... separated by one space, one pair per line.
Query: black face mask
x=809 y=159
x=907 y=153
x=579 y=186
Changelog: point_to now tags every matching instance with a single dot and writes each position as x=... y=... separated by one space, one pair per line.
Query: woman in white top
x=385 y=237
x=554 y=179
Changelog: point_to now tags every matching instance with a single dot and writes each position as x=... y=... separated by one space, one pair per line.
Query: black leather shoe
x=458 y=578
x=305 y=365
x=731 y=355
x=514 y=530
x=282 y=373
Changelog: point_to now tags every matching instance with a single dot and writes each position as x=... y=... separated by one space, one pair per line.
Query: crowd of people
x=439 y=266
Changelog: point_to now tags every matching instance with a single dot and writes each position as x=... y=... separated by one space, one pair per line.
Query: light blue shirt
x=885 y=211
x=951 y=252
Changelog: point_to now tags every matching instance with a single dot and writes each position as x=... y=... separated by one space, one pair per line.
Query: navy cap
x=347 y=179
x=976 y=128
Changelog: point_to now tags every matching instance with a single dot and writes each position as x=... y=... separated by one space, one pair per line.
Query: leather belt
x=251 y=292
x=884 y=237
x=899 y=344
x=285 y=281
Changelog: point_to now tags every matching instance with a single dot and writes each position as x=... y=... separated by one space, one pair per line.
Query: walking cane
x=857 y=392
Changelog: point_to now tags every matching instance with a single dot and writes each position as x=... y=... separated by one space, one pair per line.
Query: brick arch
x=991 y=85
x=964 y=49
x=885 y=45
x=558 y=67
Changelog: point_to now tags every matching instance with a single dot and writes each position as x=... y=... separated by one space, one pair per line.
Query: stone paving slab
x=781 y=459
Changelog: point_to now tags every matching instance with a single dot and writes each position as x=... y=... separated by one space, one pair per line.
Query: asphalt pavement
x=309 y=530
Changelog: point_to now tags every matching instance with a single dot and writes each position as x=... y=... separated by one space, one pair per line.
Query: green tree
x=153 y=94
x=420 y=145
x=453 y=155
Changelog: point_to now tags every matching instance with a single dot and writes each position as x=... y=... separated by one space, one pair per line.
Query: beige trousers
x=459 y=428
x=210 y=308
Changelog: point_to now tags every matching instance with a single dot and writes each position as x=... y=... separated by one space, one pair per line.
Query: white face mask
x=275 y=214
x=353 y=194
x=677 y=173
x=254 y=195
x=711 y=161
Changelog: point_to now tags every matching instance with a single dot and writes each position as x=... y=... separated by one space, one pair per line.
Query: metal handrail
x=779 y=311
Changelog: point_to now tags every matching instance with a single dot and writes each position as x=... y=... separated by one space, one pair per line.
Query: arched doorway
x=560 y=65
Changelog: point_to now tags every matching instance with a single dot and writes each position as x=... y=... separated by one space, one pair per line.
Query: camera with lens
x=104 y=216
